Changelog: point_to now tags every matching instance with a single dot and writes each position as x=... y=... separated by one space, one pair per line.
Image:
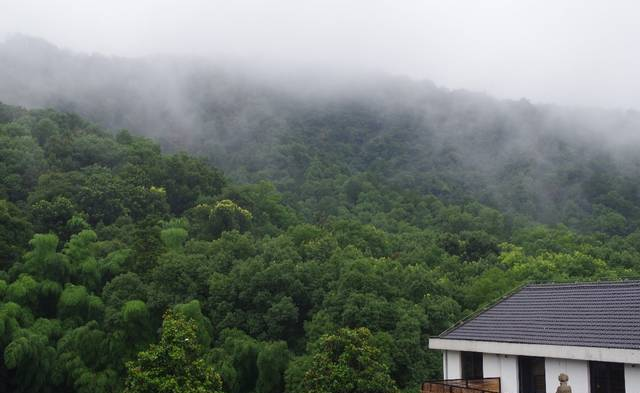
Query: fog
x=338 y=164
x=569 y=52
x=451 y=101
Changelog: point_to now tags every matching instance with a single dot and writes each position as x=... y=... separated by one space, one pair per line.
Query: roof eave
x=618 y=355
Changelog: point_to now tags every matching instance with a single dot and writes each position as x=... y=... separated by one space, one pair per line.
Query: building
x=590 y=331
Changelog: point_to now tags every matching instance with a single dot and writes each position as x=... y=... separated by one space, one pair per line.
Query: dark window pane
x=471 y=365
x=607 y=377
x=531 y=374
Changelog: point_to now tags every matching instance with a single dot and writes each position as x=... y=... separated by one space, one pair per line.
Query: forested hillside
x=392 y=209
x=308 y=131
x=100 y=234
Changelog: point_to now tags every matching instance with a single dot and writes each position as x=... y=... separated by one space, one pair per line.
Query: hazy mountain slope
x=385 y=215
x=552 y=164
x=101 y=234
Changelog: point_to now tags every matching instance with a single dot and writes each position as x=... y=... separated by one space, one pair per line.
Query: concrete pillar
x=632 y=378
x=509 y=373
x=452 y=365
x=491 y=365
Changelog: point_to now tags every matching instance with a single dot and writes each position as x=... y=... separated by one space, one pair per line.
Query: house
x=589 y=331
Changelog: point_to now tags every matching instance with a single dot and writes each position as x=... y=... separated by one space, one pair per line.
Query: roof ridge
x=582 y=283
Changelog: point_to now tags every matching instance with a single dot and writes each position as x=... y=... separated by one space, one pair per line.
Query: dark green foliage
x=186 y=179
x=240 y=352
x=348 y=362
x=15 y=232
x=272 y=361
x=174 y=238
x=21 y=162
x=53 y=216
x=174 y=364
x=227 y=216
x=146 y=246
x=355 y=249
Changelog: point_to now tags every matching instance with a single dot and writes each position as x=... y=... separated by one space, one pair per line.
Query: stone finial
x=563 y=388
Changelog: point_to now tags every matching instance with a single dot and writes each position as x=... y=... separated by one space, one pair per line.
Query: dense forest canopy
x=540 y=161
x=300 y=227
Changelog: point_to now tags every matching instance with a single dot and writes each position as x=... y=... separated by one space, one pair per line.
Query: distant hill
x=372 y=212
x=548 y=163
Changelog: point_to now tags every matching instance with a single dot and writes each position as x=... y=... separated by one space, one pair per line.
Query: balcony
x=484 y=385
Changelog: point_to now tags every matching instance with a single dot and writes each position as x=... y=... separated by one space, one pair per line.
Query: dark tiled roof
x=602 y=314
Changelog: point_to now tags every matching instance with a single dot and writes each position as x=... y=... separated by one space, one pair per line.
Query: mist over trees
x=533 y=160
x=307 y=221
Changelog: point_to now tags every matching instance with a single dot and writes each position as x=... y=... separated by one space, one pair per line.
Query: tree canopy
x=348 y=362
x=173 y=365
x=322 y=260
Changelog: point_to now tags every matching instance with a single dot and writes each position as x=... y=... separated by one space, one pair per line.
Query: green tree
x=101 y=195
x=52 y=216
x=174 y=238
x=15 y=232
x=348 y=362
x=186 y=179
x=175 y=364
x=272 y=362
x=44 y=129
x=21 y=162
x=227 y=216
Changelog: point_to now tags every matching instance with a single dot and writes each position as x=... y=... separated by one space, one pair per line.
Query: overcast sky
x=573 y=52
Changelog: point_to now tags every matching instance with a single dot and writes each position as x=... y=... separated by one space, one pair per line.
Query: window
x=471 y=365
x=531 y=375
x=606 y=377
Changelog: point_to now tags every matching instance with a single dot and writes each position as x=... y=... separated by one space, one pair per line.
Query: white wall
x=509 y=377
x=577 y=370
x=452 y=365
x=506 y=367
x=632 y=378
x=491 y=365
x=503 y=366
